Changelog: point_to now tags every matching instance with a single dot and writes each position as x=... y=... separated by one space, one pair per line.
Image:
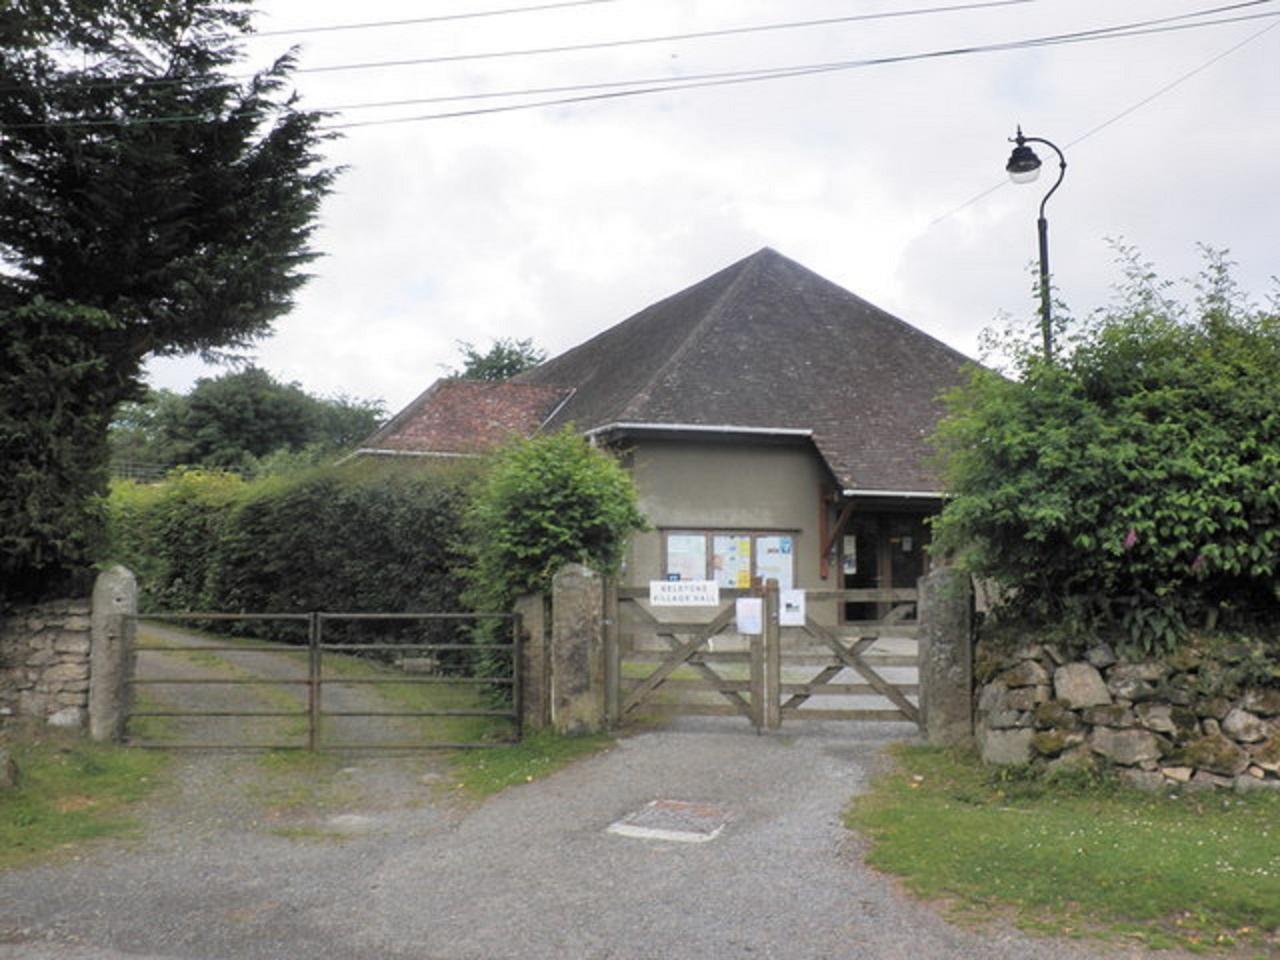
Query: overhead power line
x=606 y=44
x=414 y=21
x=1117 y=117
x=641 y=87
x=1110 y=33
x=674 y=37
x=671 y=82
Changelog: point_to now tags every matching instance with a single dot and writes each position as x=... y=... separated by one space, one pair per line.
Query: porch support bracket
x=829 y=537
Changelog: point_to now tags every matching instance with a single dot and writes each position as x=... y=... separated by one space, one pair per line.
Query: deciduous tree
x=503 y=360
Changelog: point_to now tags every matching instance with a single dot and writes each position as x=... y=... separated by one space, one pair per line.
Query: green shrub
x=1134 y=481
x=543 y=503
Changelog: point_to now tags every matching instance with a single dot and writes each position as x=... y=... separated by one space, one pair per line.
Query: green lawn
x=1079 y=859
x=70 y=791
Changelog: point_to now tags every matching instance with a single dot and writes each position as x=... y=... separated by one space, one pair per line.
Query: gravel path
x=529 y=873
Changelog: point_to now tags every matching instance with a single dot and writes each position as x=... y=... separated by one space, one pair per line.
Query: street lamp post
x=1023 y=167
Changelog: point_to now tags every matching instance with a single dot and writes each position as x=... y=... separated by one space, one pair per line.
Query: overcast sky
x=557 y=223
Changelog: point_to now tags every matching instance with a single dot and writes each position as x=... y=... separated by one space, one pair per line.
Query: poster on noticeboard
x=731 y=561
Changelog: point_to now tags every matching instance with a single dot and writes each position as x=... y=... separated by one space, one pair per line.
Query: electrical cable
x=413 y=21
x=604 y=84
x=783 y=72
x=676 y=37
x=1138 y=28
x=611 y=44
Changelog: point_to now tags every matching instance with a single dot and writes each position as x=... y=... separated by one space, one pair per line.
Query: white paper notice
x=791 y=608
x=749 y=612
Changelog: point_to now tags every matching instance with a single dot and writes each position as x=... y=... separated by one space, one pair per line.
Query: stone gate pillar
x=946 y=657
x=577 y=650
x=112 y=630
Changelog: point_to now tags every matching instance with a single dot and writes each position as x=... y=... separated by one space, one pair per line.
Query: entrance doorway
x=882 y=551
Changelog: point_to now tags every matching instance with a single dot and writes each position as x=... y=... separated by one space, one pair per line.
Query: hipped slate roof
x=768 y=343
x=764 y=343
x=467 y=417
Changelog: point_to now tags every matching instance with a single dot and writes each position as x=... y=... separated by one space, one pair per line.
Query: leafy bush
x=1134 y=481
x=543 y=503
x=55 y=391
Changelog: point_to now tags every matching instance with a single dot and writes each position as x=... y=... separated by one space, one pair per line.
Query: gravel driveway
x=531 y=873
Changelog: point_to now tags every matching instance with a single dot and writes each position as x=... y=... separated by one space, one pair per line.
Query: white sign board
x=749 y=612
x=684 y=593
x=791 y=608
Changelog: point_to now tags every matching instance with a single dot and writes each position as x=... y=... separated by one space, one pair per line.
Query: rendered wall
x=685 y=485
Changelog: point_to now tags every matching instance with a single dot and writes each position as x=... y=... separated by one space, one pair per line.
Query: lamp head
x=1023 y=165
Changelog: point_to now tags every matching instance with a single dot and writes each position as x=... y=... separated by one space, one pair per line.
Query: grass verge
x=480 y=773
x=70 y=791
x=1079 y=858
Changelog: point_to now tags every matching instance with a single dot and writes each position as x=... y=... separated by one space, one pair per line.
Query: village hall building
x=775 y=425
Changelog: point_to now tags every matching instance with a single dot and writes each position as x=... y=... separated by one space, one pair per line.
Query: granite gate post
x=946 y=657
x=112 y=630
x=577 y=650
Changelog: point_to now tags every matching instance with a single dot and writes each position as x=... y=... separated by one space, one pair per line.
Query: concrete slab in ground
x=681 y=821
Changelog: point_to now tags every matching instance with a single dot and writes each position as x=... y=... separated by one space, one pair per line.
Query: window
x=729 y=557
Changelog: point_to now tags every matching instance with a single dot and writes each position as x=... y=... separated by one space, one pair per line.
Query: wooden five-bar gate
x=661 y=660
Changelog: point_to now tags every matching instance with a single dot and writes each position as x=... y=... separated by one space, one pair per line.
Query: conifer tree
x=139 y=175
x=148 y=178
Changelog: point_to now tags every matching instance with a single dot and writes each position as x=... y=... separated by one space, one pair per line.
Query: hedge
x=341 y=540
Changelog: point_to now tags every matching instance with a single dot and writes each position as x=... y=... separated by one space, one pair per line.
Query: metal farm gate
x=657 y=663
x=324 y=681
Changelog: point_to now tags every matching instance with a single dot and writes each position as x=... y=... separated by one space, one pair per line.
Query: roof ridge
x=748 y=265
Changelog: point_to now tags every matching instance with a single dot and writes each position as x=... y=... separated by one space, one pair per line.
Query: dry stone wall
x=1151 y=719
x=67 y=662
x=44 y=663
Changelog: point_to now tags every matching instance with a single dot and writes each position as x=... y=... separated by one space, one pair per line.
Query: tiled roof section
x=468 y=416
x=768 y=343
